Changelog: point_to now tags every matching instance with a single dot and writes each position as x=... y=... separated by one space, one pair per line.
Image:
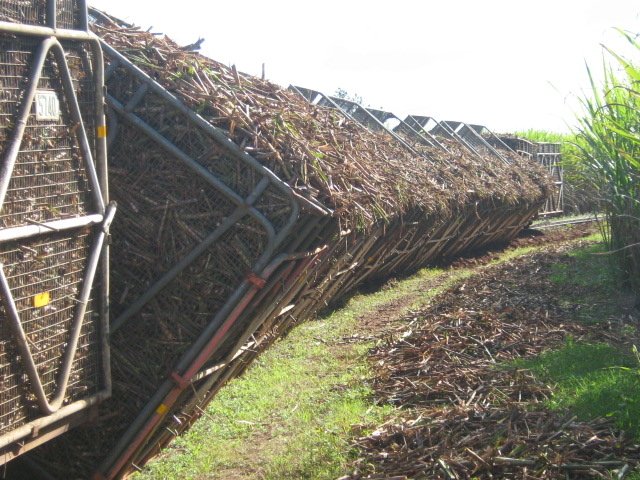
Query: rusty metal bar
x=155 y=410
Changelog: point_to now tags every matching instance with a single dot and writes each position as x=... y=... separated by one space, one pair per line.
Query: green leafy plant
x=608 y=151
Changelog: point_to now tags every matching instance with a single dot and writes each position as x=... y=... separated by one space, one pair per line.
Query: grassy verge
x=289 y=415
x=293 y=413
x=594 y=379
x=590 y=281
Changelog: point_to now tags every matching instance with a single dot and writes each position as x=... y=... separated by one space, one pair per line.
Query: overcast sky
x=506 y=64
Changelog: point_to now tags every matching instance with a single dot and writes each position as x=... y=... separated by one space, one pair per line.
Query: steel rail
x=560 y=223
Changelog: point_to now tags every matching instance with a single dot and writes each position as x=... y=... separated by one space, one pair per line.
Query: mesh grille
x=170 y=323
x=173 y=126
x=468 y=135
x=274 y=205
x=67 y=14
x=165 y=211
x=178 y=129
x=31 y=12
x=48 y=181
x=54 y=265
x=34 y=12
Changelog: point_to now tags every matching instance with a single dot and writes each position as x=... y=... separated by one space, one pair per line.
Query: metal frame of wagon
x=58 y=418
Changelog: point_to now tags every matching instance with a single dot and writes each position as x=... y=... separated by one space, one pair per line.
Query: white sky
x=509 y=65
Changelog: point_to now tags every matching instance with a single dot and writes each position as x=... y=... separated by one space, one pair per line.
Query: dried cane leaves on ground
x=468 y=410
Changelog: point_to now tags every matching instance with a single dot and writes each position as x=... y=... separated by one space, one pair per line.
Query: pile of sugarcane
x=366 y=207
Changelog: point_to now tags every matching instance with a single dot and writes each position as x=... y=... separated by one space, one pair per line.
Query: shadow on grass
x=592 y=380
x=590 y=285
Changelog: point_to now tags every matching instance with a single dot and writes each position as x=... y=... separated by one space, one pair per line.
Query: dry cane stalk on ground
x=471 y=416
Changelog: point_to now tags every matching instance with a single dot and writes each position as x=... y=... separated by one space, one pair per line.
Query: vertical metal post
x=83 y=13
x=52 y=13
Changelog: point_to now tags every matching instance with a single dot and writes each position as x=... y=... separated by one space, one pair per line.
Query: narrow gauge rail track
x=544 y=224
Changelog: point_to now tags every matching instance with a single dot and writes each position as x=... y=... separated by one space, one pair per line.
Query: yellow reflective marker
x=101 y=131
x=41 y=299
x=162 y=409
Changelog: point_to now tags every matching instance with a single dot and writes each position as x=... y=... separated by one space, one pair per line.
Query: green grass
x=592 y=380
x=608 y=153
x=566 y=140
x=589 y=267
x=298 y=402
x=292 y=414
x=296 y=405
x=541 y=136
x=590 y=278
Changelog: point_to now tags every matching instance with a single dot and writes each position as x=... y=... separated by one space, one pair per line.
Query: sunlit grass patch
x=592 y=380
x=589 y=281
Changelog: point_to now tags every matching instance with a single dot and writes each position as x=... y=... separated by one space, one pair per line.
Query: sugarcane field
x=223 y=259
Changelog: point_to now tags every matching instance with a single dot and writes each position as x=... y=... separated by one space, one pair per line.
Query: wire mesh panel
x=53 y=222
x=473 y=137
x=67 y=13
x=548 y=155
x=199 y=220
x=26 y=12
x=48 y=181
x=50 y=267
x=519 y=145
